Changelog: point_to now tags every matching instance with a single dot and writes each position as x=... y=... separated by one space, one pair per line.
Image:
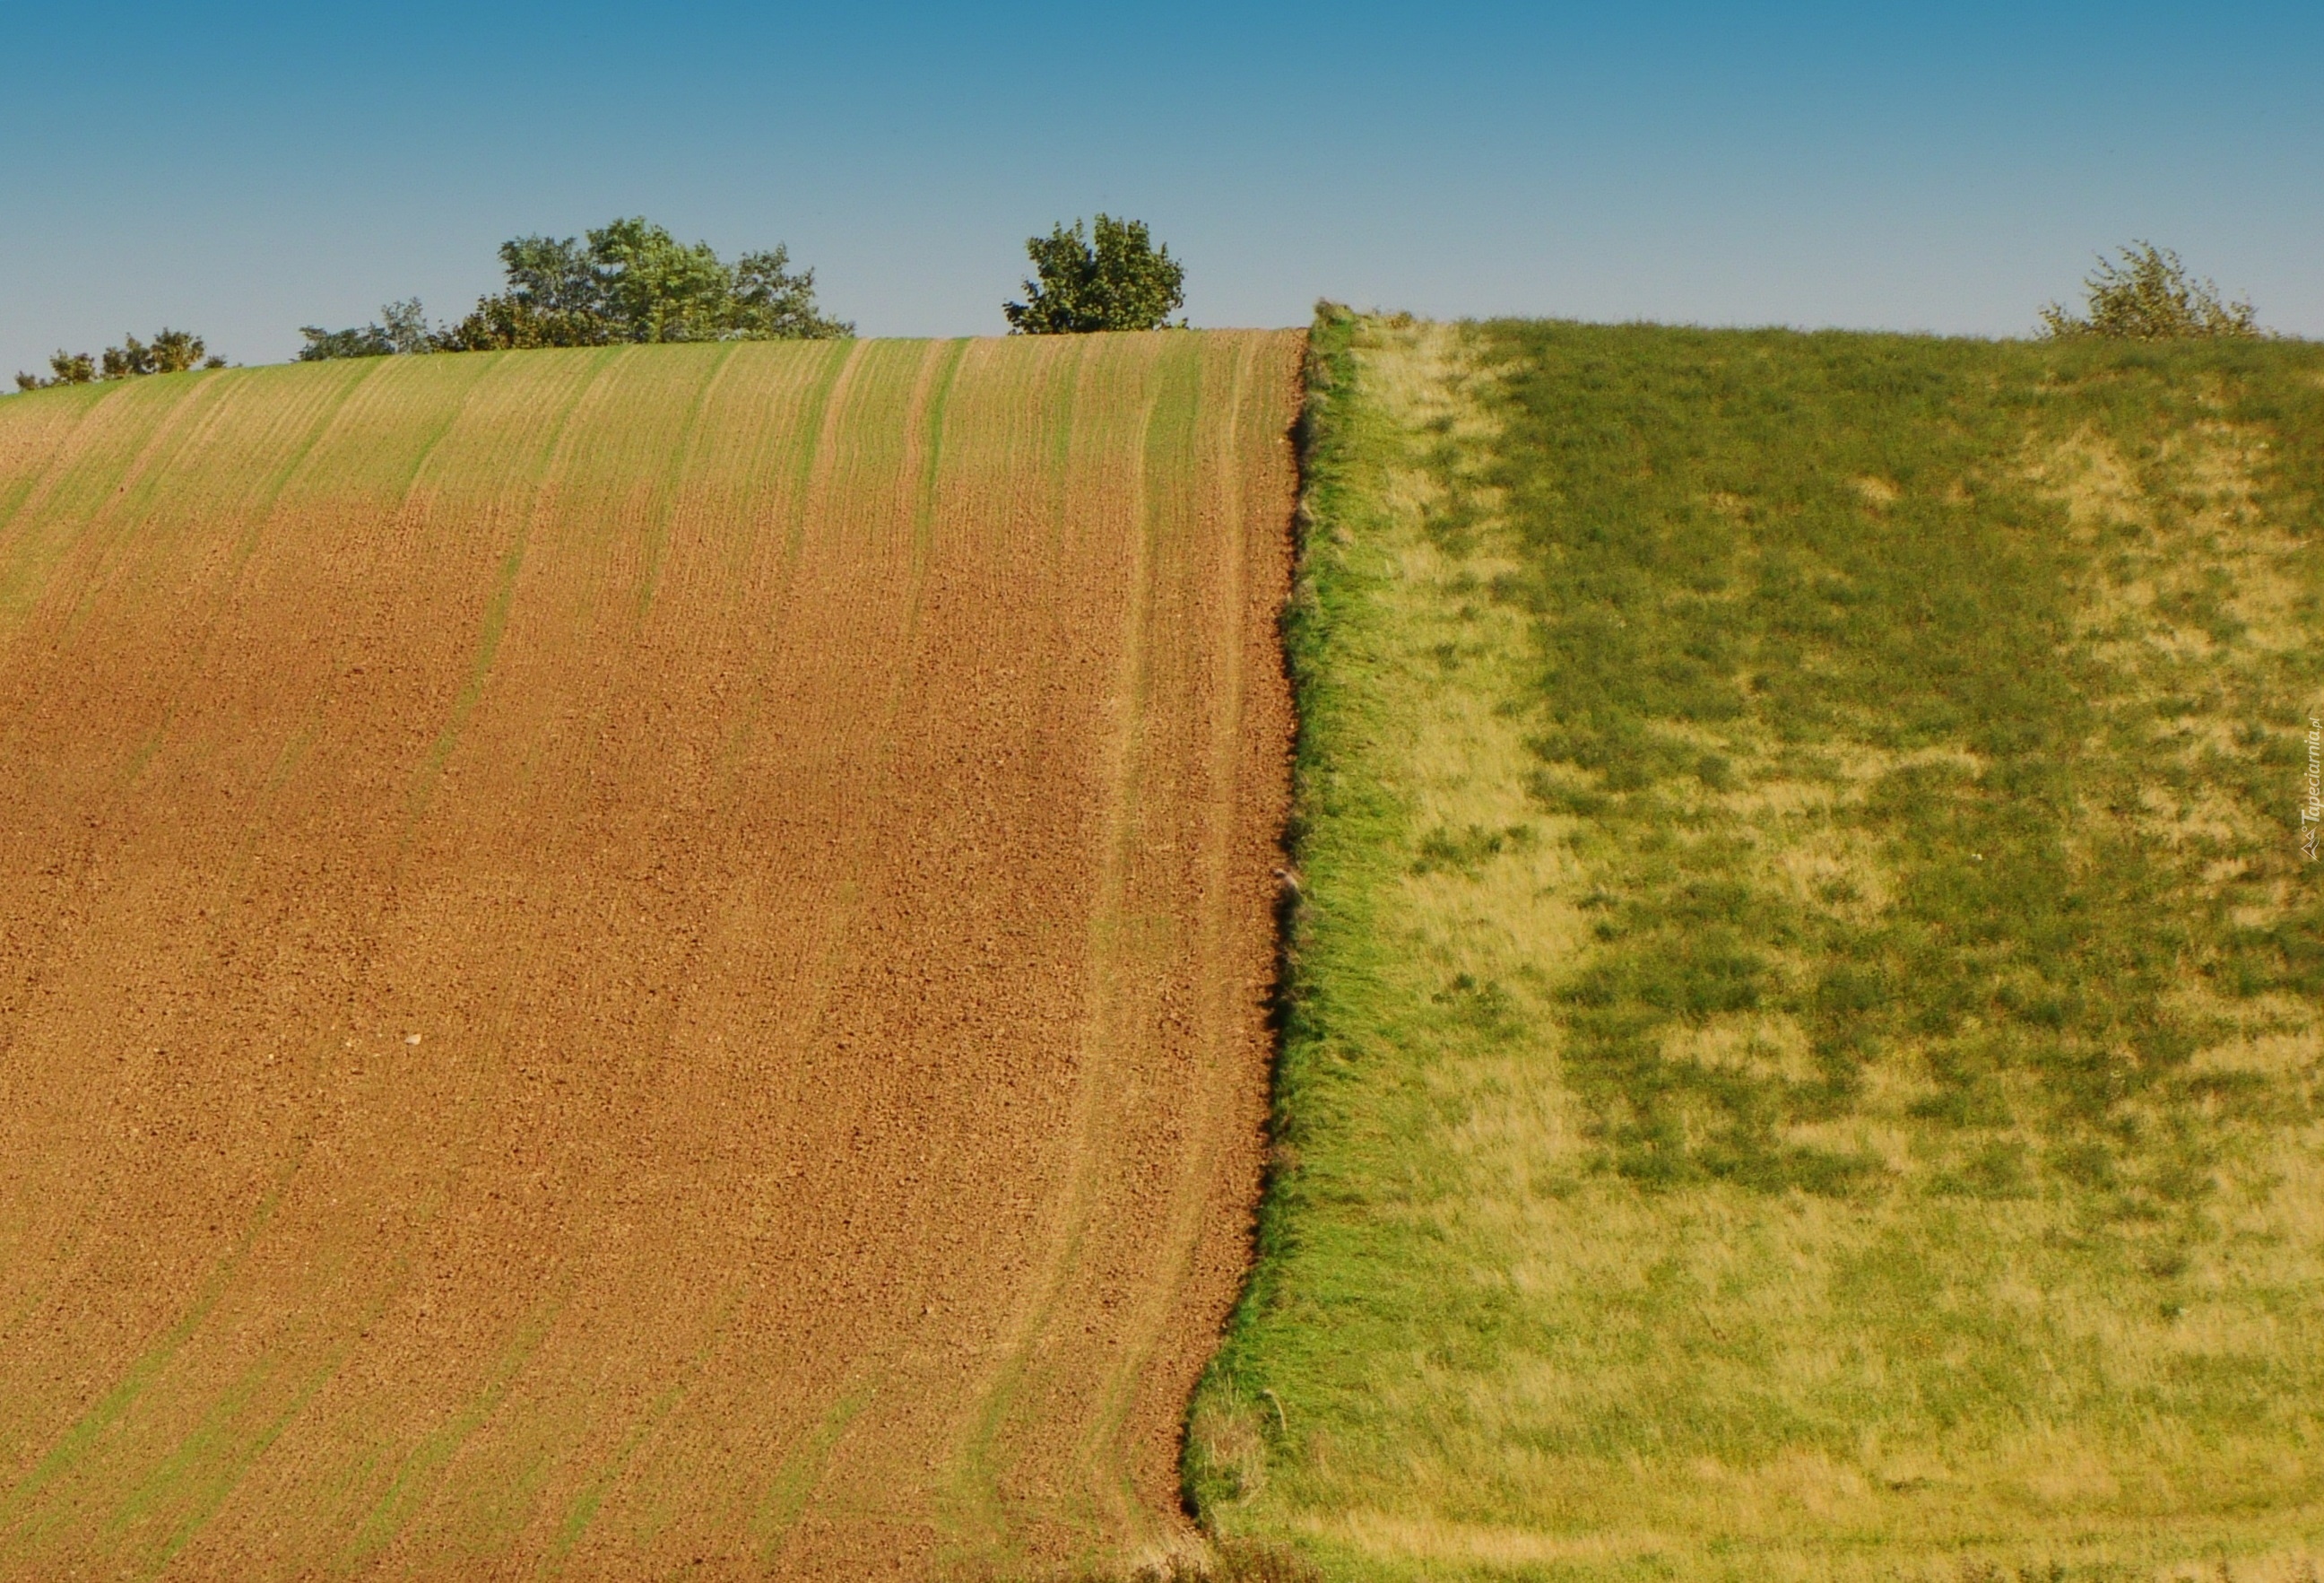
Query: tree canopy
x=629 y=280
x=1121 y=281
x=171 y=351
x=404 y=329
x=2147 y=296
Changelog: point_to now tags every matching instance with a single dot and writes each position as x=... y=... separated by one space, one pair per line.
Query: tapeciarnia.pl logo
x=2312 y=806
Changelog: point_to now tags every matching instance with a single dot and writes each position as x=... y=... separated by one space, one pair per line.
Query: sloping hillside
x=617 y=963
x=1806 y=1044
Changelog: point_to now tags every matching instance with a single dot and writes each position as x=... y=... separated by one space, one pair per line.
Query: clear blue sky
x=242 y=170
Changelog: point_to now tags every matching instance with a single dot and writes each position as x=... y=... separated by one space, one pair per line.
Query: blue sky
x=244 y=169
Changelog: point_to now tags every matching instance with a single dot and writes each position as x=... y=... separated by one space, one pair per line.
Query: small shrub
x=2148 y=297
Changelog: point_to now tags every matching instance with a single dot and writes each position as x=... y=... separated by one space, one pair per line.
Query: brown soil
x=618 y=964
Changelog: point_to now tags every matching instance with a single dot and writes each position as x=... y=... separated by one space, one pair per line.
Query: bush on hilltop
x=2148 y=297
x=1123 y=281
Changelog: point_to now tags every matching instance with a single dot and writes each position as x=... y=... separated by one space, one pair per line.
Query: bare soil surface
x=633 y=963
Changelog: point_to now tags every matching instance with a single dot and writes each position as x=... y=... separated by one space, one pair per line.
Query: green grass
x=1802 y=1043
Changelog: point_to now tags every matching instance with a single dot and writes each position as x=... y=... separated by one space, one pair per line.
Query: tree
x=172 y=351
x=1123 y=281
x=632 y=281
x=64 y=368
x=656 y=288
x=772 y=301
x=2147 y=297
x=402 y=330
x=511 y=322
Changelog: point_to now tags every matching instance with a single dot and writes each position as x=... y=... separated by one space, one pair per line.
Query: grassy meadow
x=1802 y=1051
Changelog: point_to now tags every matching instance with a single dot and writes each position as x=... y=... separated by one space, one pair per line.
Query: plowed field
x=618 y=963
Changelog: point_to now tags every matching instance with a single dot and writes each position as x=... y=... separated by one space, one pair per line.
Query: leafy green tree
x=511 y=322
x=1121 y=280
x=659 y=289
x=172 y=351
x=551 y=277
x=773 y=302
x=2147 y=296
x=64 y=368
x=324 y=344
x=632 y=281
x=403 y=329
